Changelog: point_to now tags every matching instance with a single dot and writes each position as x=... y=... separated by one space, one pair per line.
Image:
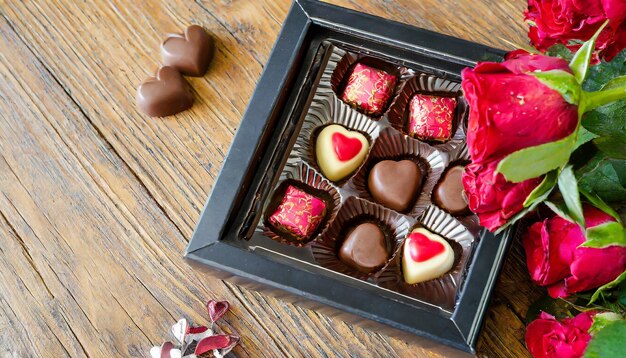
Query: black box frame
x=256 y=158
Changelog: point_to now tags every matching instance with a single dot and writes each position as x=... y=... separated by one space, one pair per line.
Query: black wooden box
x=225 y=241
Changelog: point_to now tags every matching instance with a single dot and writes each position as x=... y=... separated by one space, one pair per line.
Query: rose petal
x=180 y=329
x=197 y=333
x=217 y=309
x=234 y=340
x=218 y=341
x=166 y=349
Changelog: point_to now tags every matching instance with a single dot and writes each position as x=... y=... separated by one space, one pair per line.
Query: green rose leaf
x=607 y=234
x=604 y=177
x=542 y=192
x=560 y=50
x=582 y=57
x=535 y=161
x=617 y=82
x=600 y=204
x=569 y=189
x=608 y=342
x=612 y=146
x=583 y=137
x=601 y=320
x=599 y=75
x=559 y=209
x=607 y=287
x=607 y=121
x=562 y=82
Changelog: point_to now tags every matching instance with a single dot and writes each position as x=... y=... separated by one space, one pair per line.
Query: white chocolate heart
x=339 y=152
x=425 y=256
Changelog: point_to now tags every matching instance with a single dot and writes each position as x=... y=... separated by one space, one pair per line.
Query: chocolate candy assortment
x=372 y=185
x=168 y=93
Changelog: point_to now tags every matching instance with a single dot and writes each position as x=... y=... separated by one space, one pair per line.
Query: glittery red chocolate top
x=369 y=89
x=430 y=117
x=299 y=213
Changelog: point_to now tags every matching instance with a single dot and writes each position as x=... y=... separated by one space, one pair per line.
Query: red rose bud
x=559 y=21
x=555 y=259
x=491 y=197
x=548 y=338
x=511 y=110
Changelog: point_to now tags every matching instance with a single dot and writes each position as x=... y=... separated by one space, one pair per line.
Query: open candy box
x=342 y=186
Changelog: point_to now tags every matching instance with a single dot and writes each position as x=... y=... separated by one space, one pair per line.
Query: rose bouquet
x=547 y=140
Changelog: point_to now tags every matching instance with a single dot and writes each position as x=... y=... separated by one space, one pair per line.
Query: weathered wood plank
x=107 y=256
x=140 y=183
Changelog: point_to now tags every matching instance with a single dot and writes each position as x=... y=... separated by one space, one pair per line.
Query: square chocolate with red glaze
x=299 y=213
x=369 y=89
x=431 y=117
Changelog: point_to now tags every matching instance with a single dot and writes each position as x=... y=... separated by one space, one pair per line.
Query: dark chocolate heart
x=364 y=248
x=395 y=184
x=449 y=194
x=164 y=95
x=190 y=52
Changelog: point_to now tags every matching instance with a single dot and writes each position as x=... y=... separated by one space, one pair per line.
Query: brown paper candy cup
x=441 y=291
x=307 y=179
x=435 y=86
x=324 y=111
x=341 y=71
x=356 y=211
x=394 y=145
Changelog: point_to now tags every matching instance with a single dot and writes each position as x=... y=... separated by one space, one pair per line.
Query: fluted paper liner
x=356 y=211
x=326 y=110
x=441 y=291
x=394 y=145
x=309 y=180
x=341 y=64
x=435 y=86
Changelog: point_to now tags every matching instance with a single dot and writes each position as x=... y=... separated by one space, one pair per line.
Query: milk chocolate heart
x=339 y=151
x=425 y=256
x=395 y=184
x=190 y=52
x=164 y=95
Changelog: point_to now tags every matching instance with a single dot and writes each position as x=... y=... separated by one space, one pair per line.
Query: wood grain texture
x=97 y=201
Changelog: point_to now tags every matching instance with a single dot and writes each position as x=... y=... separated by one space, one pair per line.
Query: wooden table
x=98 y=201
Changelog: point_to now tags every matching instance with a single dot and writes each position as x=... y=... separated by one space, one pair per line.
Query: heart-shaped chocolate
x=425 y=256
x=365 y=248
x=190 y=52
x=395 y=184
x=164 y=95
x=339 y=151
x=449 y=193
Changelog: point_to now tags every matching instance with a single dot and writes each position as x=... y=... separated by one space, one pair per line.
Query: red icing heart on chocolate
x=422 y=248
x=346 y=148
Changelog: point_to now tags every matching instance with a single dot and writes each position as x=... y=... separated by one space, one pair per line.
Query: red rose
x=555 y=260
x=559 y=21
x=548 y=338
x=491 y=197
x=511 y=110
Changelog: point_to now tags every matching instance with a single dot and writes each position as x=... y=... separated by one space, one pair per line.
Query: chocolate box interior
x=229 y=236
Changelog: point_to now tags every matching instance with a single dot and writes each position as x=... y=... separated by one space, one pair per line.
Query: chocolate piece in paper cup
x=367 y=84
x=301 y=206
x=429 y=100
x=323 y=112
x=440 y=291
x=351 y=244
x=395 y=146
